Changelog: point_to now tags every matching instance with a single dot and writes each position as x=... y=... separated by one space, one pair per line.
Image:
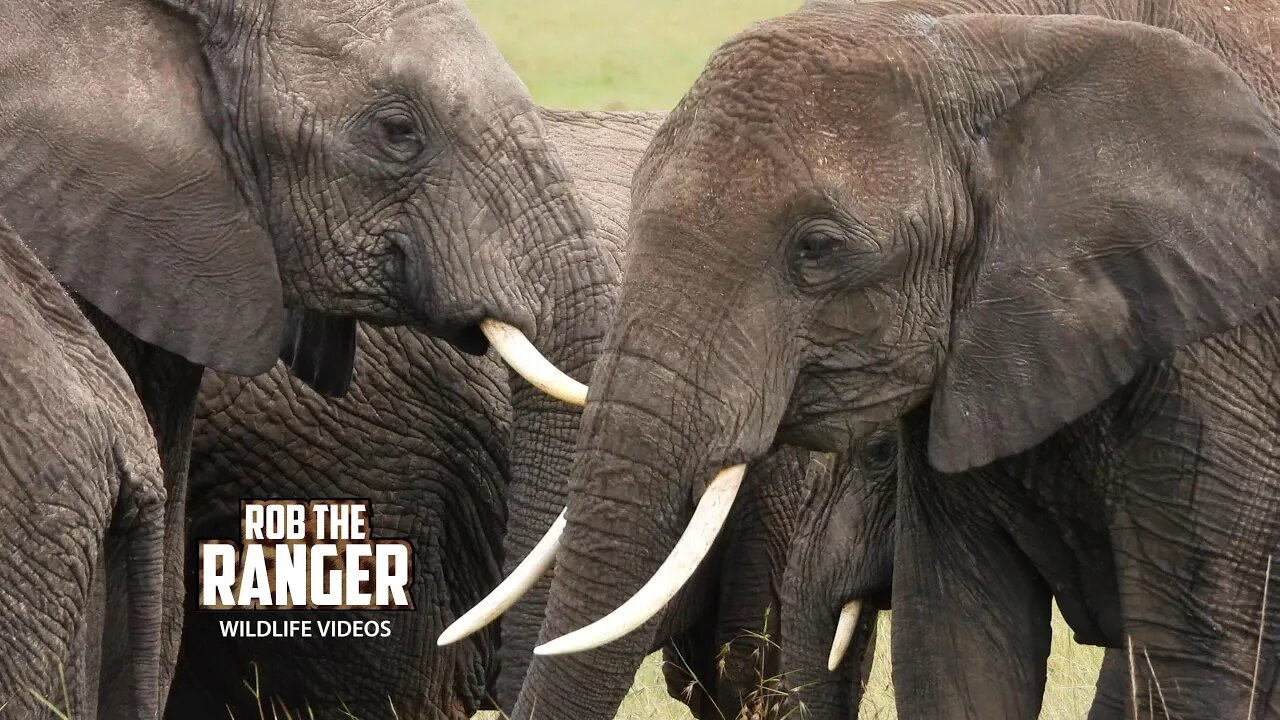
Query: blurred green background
x=615 y=54
x=633 y=55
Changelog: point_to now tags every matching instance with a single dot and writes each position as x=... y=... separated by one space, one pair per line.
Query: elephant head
x=839 y=571
x=193 y=167
x=861 y=211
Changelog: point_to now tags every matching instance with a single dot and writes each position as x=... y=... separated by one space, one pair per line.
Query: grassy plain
x=628 y=55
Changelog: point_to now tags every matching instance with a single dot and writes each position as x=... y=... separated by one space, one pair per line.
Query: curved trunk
x=664 y=417
x=600 y=151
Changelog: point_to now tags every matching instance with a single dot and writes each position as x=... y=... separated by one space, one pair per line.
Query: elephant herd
x=959 y=308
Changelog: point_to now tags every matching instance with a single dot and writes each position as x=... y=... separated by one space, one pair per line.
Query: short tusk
x=844 y=633
x=525 y=359
x=693 y=545
x=510 y=590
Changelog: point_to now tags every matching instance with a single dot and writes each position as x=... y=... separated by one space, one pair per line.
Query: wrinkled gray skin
x=712 y=635
x=601 y=151
x=841 y=550
x=83 y=492
x=1045 y=244
x=423 y=434
x=190 y=168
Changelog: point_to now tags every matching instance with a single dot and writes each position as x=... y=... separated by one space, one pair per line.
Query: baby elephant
x=82 y=505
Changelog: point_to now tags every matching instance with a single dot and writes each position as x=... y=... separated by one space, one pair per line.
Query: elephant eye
x=817 y=243
x=398 y=135
x=880 y=450
x=817 y=247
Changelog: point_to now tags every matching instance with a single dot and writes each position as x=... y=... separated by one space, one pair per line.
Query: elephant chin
x=525 y=360
x=697 y=539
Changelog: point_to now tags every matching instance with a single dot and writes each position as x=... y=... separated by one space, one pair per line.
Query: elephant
x=838 y=574
x=1041 y=241
x=223 y=182
x=82 y=480
x=427 y=433
x=424 y=435
x=721 y=637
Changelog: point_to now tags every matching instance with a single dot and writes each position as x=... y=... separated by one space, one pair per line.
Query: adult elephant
x=190 y=168
x=82 y=480
x=839 y=576
x=1014 y=235
x=426 y=434
x=720 y=638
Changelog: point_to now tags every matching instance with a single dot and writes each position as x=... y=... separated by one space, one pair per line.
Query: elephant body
x=429 y=435
x=423 y=434
x=1042 y=243
x=84 y=504
x=189 y=169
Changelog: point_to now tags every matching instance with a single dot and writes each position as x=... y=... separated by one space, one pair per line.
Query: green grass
x=628 y=55
x=615 y=54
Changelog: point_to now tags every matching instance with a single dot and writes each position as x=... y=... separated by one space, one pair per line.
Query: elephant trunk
x=145 y=569
x=669 y=423
x=814 y=689
x=544 y=432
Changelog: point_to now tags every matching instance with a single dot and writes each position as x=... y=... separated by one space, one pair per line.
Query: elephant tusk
x=844 y=633
x=693 y=545
x=510 y=590
x=524 y=358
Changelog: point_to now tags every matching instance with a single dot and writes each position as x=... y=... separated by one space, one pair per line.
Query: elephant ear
x=112 y=176
x=320 y=350
x=1126 y=186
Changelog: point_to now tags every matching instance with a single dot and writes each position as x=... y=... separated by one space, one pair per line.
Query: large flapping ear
x=114 y=179
x=320 y=350
x=1126 y=186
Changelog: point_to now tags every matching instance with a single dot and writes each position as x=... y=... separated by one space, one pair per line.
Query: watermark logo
x=298 y=555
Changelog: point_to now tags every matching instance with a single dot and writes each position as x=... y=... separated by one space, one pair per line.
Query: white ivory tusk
x=511 y=589
x=844 y=633
x=693 y=545
x=525 y=359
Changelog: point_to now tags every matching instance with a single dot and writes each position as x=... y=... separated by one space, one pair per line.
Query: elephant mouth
x=469 y=339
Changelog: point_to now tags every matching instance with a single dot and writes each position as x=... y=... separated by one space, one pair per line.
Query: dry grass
x=1073 y=669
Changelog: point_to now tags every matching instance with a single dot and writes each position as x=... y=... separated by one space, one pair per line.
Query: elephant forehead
x=433 y=49
x=771 y=122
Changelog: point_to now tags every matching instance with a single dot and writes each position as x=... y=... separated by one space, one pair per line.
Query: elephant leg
x=1113 y=687
x=971 y=630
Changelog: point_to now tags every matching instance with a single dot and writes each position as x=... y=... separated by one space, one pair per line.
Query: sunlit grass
x=615 y=54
